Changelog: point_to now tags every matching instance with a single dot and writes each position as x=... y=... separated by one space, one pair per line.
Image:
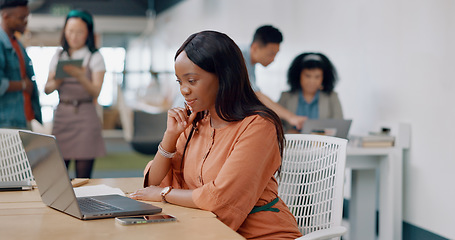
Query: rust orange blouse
x=231 y=170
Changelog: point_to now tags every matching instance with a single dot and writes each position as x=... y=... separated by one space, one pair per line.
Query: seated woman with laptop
x=312 y=78
x=221 y=152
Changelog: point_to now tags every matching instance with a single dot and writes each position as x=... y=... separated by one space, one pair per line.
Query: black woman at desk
x=221 y=153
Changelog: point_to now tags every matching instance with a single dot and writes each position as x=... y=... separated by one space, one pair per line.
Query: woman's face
x=76 y=33
x=311 y=80
x=198 y=87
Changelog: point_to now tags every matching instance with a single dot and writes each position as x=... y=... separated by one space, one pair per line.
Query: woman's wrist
x=167 y=146
x=165 y=153
x=169 y=138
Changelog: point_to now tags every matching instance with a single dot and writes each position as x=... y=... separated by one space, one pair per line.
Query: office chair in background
x=311 y=183
x=142 y=130
x=14 y=165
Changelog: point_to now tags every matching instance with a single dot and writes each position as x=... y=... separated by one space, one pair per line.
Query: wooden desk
x=24 y=216
x=365 y=163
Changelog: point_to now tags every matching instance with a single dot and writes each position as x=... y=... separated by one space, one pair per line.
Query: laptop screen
x=50 y=172
x=331 y=127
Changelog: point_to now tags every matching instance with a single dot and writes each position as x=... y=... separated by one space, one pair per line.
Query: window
x=114 y=59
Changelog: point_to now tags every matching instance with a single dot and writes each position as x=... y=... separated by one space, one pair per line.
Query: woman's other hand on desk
x=151 y=193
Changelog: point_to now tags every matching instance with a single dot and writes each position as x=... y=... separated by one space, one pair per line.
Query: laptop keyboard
x=91 y=205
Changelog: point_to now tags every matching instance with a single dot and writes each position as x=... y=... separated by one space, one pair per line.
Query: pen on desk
x=77 y=182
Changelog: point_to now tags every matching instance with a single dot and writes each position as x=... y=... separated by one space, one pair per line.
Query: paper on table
x=97 y=190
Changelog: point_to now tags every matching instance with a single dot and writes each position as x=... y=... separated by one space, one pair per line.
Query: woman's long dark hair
x=218 y=54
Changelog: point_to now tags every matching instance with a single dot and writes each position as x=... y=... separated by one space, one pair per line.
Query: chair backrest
x=14 y=165
x=311 y=180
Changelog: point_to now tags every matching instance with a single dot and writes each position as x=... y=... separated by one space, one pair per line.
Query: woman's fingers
x=192 y=117
x=179 y=114
x=135 y=195
x=151 y=193
x=73 y=70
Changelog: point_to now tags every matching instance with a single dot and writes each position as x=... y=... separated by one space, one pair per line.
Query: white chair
x=311 y=183
x=14 y=165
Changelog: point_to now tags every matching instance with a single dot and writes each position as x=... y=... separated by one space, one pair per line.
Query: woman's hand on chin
x=178 y=120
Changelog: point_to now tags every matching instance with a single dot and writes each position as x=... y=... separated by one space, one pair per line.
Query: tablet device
x=60 y=73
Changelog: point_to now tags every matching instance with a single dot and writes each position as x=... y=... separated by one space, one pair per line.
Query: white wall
x=395 y=61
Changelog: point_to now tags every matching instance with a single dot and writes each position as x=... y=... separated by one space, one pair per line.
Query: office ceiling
x=119 y=17
x=129 y=8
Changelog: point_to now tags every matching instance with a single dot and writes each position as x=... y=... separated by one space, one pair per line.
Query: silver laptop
x=331 y=127
x=51 y=176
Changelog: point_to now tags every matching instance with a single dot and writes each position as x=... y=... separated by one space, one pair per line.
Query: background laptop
x=51 y=176
x=331 y=127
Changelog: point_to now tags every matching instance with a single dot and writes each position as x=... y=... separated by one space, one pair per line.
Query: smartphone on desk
x=145 y=219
